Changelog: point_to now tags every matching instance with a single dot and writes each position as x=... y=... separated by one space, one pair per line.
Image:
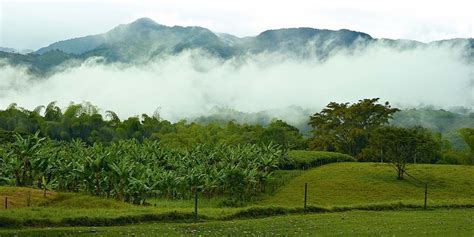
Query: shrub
x=456 y=158
x=299 y=159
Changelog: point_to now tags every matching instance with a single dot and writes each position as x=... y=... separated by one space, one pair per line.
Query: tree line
x=360 y=129
x=84 y=122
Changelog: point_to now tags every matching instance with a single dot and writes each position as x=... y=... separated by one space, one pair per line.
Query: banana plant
x=23 y=152
x=133 y=171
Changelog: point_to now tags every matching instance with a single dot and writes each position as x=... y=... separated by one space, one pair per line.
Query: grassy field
x=332 y=187
x=351 y=183
x=18 y=198
x=353 y=223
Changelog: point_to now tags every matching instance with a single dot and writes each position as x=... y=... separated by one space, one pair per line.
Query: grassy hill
x=351 y=183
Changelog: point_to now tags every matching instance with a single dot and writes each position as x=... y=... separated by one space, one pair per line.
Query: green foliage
x=132 y=171
x=20 y=159
x=279 y=132
x=279 y=179
x=345 y=128
x=65 y=208
x=401 y=146
x=445 y=122
x=82 y=121
x=456 y=158
x=467 y=135
x=300 y=159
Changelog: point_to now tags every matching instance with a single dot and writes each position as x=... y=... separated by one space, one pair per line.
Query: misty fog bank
x=193 y=83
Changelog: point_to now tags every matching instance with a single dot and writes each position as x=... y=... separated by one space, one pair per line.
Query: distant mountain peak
x=144 y=39
x=145 y=21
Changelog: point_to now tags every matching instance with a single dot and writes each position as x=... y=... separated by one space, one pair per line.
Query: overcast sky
x=31 y=24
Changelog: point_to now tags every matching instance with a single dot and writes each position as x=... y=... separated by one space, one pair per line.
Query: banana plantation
x=133 y=171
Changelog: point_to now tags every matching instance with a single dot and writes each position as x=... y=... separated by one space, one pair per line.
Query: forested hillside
x=144 y=40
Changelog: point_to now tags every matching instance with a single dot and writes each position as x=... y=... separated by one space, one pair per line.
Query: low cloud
x=192 y=83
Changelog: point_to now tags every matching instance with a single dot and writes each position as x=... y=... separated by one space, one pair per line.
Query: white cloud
x=192 y=83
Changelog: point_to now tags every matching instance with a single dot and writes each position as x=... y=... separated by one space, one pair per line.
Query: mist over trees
x=84 y=122
x=362 y=130
x=359 y=129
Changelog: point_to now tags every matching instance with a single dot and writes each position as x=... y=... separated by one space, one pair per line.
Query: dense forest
x=84 y=122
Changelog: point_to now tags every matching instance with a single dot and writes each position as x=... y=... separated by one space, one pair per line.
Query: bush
x=122 y=220
x=10 y=222
x=299 y=159
x=231 y=202
x=260 y=212
x=456 y=158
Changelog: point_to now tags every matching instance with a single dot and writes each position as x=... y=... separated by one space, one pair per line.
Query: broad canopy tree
x=428 y=145
x=345 y=127
x=361 y=130
x=401 y=146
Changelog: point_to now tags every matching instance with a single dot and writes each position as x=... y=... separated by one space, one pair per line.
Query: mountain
x=12 y=50
x=39 y=64
x=144 y=39
x=306 y=42
x=442 y=121
x=7 y=50
x=147 y=38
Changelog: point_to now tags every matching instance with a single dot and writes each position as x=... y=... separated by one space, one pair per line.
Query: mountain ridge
x=144 y=39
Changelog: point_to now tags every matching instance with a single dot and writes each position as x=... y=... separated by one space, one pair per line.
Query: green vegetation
x=84 y=122
x=345 y=127
x=131 y=171
x=468 y=135
x=306 y=159
x=332 y=188
x=353 y=183
x=401 y=146
x=355 y=223
x=438 y=120
x=75 y=168
x=340 y=127
x=361 y=130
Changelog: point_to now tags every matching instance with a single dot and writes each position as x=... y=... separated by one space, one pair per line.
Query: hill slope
x=341 y=184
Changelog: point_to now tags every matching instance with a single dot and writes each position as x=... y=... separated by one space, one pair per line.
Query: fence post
x=6 y=202
x=196 y=204
x=426 y=194
x=28 y=200
x=305 y=195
